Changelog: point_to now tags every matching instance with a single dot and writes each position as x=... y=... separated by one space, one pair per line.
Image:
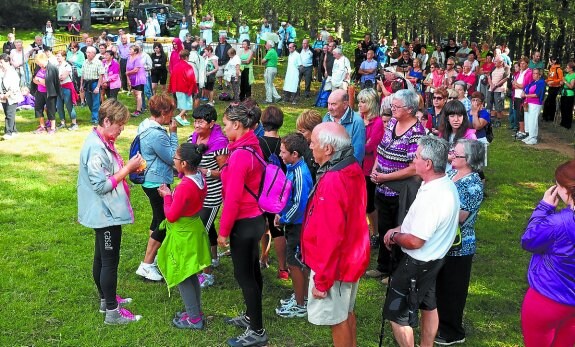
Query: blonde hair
x=308 y=120
x=115 y=111
x=41 y=59
x=370 y=97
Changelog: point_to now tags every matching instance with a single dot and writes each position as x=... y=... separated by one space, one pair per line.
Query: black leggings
x=106 y=260
x=387 y=211
x=245 y=87
x=517 y=102
x=42 y=99
x=208 y=216
x=244 y=240
x=157 y=203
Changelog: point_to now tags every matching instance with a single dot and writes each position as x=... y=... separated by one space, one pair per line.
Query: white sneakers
x=149 y=272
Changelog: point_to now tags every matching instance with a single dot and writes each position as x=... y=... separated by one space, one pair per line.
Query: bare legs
x=344 y=333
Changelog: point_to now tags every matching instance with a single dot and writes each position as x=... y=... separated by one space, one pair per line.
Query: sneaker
x=61 y=126
x=295 y=311
x=294 y=102
x=250 y=338
x=286 y=301
x=385 y=281
x=241 y=321
x=283 y=275
x=48 y=124
x=136 y=114
x=186 y=122
x=51 y=131
x=520 y=135
x=120 y=316
x=211 y=103
x=206 y=280
x=7 y=137
x=530 y=141
x=73 y=127
x=375 y=273
x=226 y=253
x=121 y=302
x=149 y=272
x=183 y=313
x=447 y=342
x=203 y=98
x=497 y=124
x=179 y=119
x=40 y=130
x=216 y=262
x=264 y=265
x=186 y=322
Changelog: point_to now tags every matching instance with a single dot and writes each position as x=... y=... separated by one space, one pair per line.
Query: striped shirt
x=92 y=69
x=214 y=197
x=396 y=152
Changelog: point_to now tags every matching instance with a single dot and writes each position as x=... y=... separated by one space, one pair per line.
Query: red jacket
x=335 y=236
x=242 y=168
x=183 y=79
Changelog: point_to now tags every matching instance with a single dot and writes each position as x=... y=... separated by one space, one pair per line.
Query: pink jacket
x=242 y=168
x=373 y=135
x=113 y=74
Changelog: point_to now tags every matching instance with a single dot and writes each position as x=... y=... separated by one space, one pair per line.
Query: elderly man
x=9 y=45
x=124 y=54
x=221 y=51
x=497 y=81
x=426 y=235
x=37 y=46
x=340 y=112
x=463 y=52
x=306 y=55
x=271 y=62
x=74 y=26
x=90 y=82
x=335 y=236
x=340 y=75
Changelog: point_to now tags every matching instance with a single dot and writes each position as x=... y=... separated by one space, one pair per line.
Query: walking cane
x=382 y=331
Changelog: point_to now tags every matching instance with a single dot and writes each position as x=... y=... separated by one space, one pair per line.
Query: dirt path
x=557 y=138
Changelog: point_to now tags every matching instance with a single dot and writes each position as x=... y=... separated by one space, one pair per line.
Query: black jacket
x=52 y=80
x=221 y=52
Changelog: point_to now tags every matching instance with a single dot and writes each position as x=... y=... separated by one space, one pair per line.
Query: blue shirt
x=381 y=55
x=302 y=184
x=306 y=57
x=318 y=44
x=161 y=17
x=483 y=114
x=355 y=127
x=368 y=65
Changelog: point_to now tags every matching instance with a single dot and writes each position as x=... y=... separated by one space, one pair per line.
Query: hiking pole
x=391 y=259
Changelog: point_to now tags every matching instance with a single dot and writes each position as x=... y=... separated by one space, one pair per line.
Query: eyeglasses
x=180 y=159
x=459 y=156
x=452 y=98
x=438 y=98
x=200 y=121
x=395 y=107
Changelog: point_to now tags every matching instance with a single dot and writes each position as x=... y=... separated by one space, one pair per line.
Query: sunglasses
x=437 y=98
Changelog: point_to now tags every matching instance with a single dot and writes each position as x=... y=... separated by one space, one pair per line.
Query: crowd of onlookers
x=360 y=180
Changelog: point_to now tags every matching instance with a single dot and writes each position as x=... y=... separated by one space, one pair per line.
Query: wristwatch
x=392 y=238
x=209 y=173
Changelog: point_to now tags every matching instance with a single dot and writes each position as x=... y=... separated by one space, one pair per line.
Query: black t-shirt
x=158 y=62
x=271 y=145
x=450 y=51
x=329 y=59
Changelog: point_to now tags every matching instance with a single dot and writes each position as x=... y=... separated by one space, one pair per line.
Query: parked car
x=65 y=11
x=143 y=11
x=101 y=11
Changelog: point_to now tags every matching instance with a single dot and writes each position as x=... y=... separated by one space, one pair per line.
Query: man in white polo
x=426 y=235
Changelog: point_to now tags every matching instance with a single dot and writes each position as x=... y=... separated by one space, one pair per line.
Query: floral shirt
x=470 y=189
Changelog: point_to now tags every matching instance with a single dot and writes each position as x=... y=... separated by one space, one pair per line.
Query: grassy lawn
x=48 y=297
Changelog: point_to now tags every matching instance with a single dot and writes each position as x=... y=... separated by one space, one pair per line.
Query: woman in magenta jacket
x=242 y=219
x=548 y=312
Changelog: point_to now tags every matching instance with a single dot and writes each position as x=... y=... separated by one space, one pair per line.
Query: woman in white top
x=150 y=28
x=183 y=29
x=423 y=56
x=49 y=34
x=244 y=32
x=232 y=73
x=68 y=92
x=439 y=56
x=19 y=60
x=10 y=95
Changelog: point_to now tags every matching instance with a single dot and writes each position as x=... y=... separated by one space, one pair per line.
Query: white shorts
x=335 y=307
x=220 y=72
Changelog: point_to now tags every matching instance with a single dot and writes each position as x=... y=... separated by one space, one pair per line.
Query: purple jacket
x=550 y=237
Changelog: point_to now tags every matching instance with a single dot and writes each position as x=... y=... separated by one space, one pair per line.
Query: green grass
x=48 y=298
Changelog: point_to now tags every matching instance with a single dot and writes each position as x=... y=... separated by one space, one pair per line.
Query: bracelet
x=392 y=238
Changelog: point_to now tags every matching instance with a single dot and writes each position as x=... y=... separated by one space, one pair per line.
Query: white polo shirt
x=433 y=217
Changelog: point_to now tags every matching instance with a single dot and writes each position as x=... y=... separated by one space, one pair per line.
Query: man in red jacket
x=335 y=236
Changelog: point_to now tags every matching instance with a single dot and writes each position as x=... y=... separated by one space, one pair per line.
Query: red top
x=186 y=200
x=242 y=168
x=183 y=79
x=469 y=80
x=335 y=236
x=373 y=135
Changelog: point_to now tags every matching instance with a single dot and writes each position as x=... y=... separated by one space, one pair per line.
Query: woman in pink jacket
x=242 y=220
x=112 y=81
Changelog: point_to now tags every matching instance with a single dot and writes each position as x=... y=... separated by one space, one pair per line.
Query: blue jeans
x=147 y=94
x=65 y=100
x=92 y=99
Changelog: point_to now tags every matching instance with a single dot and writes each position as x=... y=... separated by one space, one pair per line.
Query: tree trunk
x=528 y=29
x=560 y=43
x=393 y=26
x=188 y=11
x=86 y=20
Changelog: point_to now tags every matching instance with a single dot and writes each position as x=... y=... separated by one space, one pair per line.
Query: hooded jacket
x=175 y=55
x=242 y=169
x=183 y=79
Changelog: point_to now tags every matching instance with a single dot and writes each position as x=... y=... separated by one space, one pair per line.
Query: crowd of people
x=361 y=181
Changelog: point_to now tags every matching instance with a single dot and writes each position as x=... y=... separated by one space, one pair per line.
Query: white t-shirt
x=518 y=93
x=433 y=217
x=230 y=69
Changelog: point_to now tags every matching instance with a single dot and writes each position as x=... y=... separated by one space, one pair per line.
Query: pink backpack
x=275 y=188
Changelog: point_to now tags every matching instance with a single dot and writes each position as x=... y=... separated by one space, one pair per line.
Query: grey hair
x=92 y=49
x=409 y=98
x=271 y=43
x=337 y=50
x=435 y=149
x=462 y=84
x=17 y=41
x=337 y=141
x=474 y=153
x=370 y=97
x=241 y=114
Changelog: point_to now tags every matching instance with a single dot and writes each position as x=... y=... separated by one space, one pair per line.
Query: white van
x=65 y=11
